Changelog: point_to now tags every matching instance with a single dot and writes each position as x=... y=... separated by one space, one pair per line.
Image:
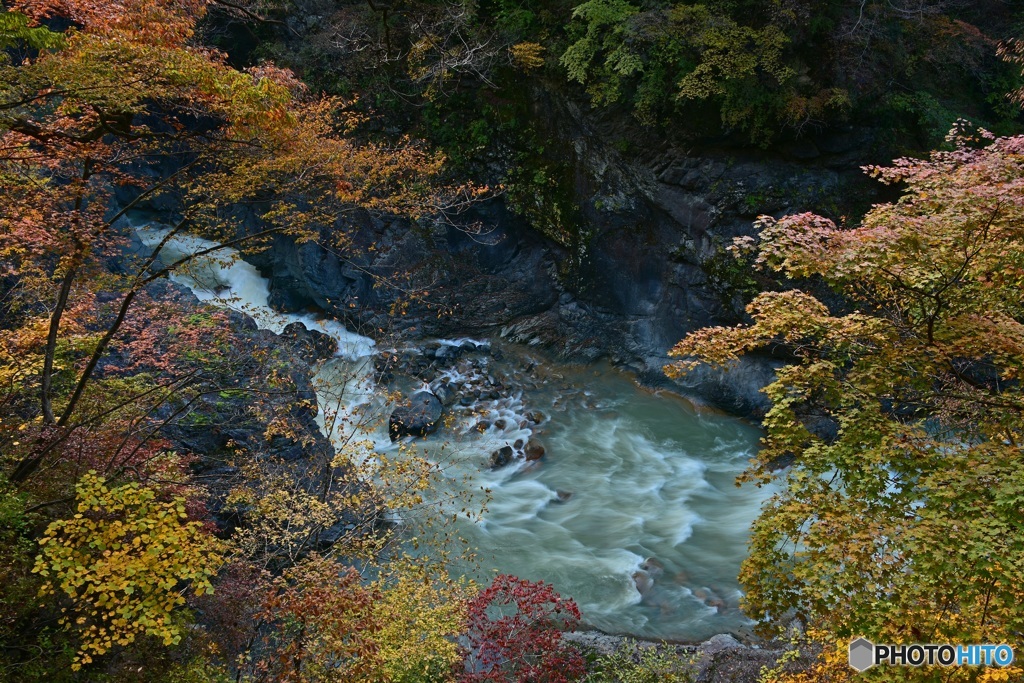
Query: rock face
x=482 y=280
x=651 y=265
x=419 y=418
x=645 y=262
x=223 y=420
x=215 y=421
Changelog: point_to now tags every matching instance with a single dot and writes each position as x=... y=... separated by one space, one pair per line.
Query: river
x=632 y=510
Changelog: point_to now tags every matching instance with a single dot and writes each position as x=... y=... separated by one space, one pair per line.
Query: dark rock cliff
x=647 y=263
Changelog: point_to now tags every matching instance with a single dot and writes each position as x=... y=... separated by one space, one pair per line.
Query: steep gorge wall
x=645 y=264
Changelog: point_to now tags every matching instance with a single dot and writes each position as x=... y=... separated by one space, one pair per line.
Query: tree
x=526 y=643
x=127 y=110
x=327 y=624
x=902 y=516
x=713 y=52
x=122 y=559
x=421 y=617
x=116 y=108
x=782 y=68
x=324 y=625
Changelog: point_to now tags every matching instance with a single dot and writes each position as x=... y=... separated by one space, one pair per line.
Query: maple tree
x=901 y=518
x=526 y=644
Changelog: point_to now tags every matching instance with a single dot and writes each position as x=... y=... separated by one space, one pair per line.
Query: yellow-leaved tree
x=421 y=615
x=125 y=560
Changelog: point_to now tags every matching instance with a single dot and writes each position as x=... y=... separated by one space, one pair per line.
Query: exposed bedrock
x=646 y=266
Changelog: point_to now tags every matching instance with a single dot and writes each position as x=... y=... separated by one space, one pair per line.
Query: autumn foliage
x=114 y=111
x=128 y=548
x=124 y=110
x=902 y=517
x=322 y=621
x=515 y=634
x=121 y=559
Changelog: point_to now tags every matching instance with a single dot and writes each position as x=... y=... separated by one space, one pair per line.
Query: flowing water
x=632 y=511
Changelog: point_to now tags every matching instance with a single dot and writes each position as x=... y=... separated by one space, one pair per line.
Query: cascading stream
x=632 y=511
x=222 y=278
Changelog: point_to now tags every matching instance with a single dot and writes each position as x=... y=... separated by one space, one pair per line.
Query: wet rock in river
x=653 y=566
x=643 y=581
x=534 y=450
x=419 y=418
x=502 y=457
x=709 y=598
x=445 y=392
x=448 y=353
x=310 y=345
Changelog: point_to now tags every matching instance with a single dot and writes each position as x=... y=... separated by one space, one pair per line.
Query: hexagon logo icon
x=862 y=654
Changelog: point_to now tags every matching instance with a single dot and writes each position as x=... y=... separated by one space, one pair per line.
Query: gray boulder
x=419 y=418
x=444 y=391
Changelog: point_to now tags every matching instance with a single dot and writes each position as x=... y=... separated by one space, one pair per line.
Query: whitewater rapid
x=632 y=511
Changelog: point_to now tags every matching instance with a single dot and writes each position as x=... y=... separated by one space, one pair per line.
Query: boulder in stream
x=535 y=416
x=502 y=457
x=534 y=450
x=310 y=345
x=419 y=418
x=444 y=391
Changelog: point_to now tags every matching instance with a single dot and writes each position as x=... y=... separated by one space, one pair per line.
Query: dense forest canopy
x=759 y=70
x=132 y=546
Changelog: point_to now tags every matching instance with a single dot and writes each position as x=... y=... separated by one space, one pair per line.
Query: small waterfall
x=343 y=384
x=223 y=279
